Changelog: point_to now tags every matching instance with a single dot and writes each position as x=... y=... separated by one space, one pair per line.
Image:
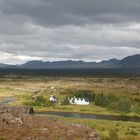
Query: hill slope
x=128 y=62
x=69 y=64
x=30 y=127
x=131 y=61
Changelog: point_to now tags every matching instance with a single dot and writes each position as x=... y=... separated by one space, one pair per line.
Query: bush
x=113 y=102
x=49 y=103
x=39 y=101
x=132 y=132
x=66 y=101
x=124 y=105
x=102 y=100
x=136 y=108
x=113 y=134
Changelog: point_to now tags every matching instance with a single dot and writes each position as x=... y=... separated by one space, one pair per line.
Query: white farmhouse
x=53 y=98
x=78 y=101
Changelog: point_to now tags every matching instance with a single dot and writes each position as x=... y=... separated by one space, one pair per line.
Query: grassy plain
x=23 y=89
x=124 y=130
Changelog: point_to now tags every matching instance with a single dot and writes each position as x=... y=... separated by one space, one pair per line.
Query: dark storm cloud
x=63 y=12
x=68 y=29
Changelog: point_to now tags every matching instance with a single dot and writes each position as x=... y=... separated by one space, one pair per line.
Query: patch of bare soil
x=32 y=127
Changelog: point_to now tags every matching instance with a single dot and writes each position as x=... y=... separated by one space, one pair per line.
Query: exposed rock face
x=16 y=110
x=8 y=119
x=32 y=127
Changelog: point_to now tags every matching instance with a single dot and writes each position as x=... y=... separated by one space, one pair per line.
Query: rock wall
x=16 y=110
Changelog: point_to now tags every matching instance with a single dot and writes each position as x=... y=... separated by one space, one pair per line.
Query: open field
x=124 y=130
x=26 y=88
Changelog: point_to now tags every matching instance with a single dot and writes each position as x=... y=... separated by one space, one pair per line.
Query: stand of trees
x=113 y=102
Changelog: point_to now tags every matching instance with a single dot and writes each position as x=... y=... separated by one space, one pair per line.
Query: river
x=90 y=116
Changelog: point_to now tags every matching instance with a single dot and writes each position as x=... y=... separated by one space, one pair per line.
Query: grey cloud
x=64 y=12
x=68 y=29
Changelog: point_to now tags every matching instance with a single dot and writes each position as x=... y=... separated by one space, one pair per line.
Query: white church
x=78 y=101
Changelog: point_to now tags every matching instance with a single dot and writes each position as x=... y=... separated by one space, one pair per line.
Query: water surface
x=91 y=116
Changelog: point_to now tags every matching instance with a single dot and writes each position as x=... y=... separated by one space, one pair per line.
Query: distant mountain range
x=128 y=62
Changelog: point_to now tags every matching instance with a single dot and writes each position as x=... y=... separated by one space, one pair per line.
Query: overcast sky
x=90 y=30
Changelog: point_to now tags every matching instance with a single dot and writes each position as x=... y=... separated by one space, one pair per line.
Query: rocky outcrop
x=9 y=119
x=16 y=110
x=23 y=126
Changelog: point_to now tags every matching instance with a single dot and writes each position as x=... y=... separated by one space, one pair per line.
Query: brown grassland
x=24 y=88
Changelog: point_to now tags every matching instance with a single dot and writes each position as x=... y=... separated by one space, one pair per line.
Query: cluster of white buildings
x=78 y=101
x=73 y=100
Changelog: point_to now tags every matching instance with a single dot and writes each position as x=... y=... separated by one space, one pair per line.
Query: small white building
x=52 y=88
x=53 y=98
x=78 y=101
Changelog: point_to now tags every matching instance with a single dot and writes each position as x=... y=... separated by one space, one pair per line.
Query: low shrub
x=113 y=102
x=113 y=134
x=132 y=132
x=124 y=105
x=136 y=108
x=65 y=101
x=39 y=101
x=104 y=100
